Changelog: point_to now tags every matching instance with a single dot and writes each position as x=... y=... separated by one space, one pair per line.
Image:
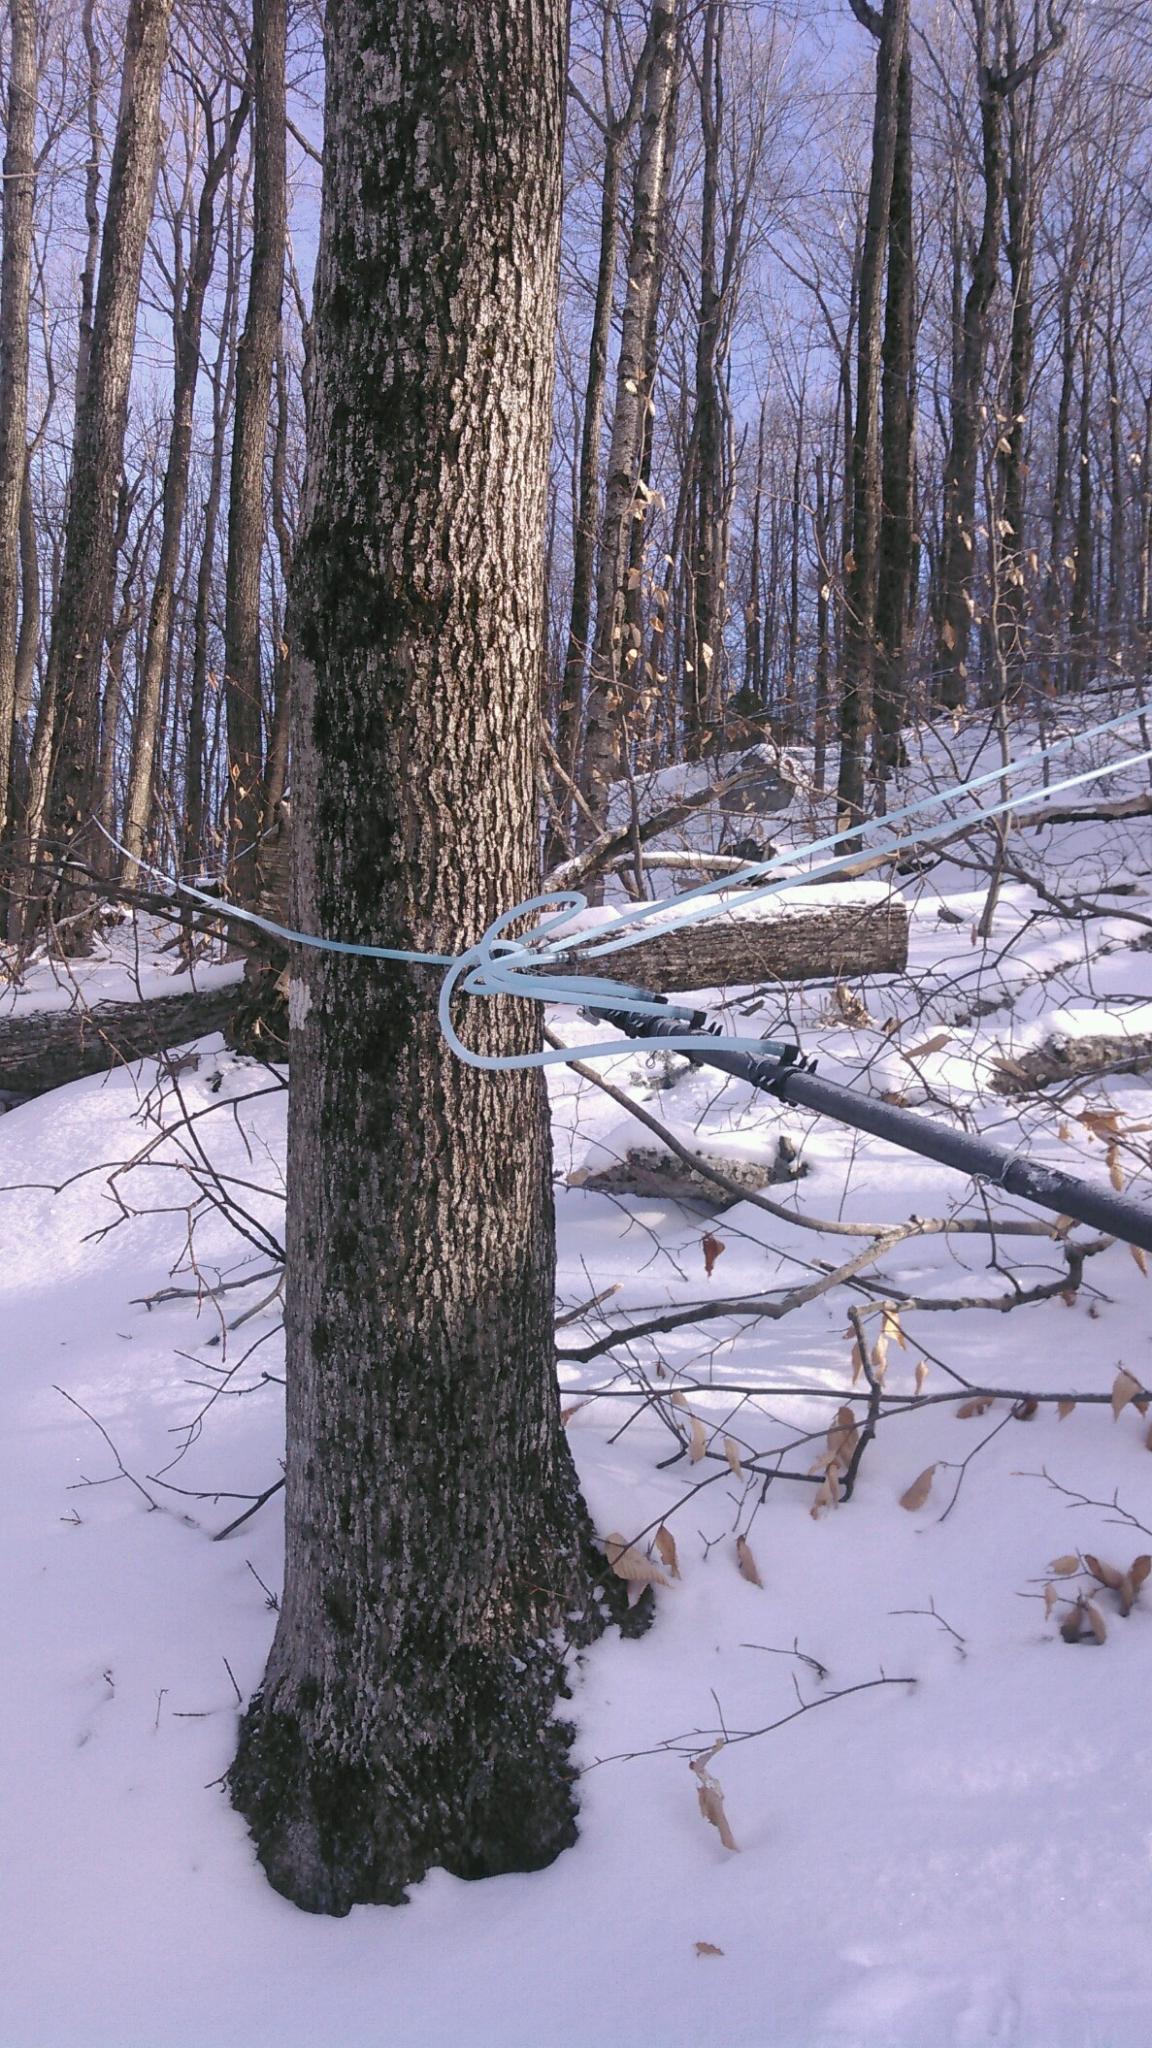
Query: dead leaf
x=1107 y=1574
x=629 y=1562
x=919 y=1490
x=666 y=1545
x=828 y=1493
x=1071 y=1625
x=707 y=1948
x=921 y=1375
x=747 y=1563
x=566 y=1414
x=1025 y=1410
x=732 y=1453
x=1124 y=1389
x=1115 y=1170
x=880 y=1354
x=711 y=1799
x=1139 y=1569
x=934 y=1044
x=842 y=1439
x=1095 y=1622
x=699 y=1443
x=978 y=1406
x=1064 y=1409
x=1051 y=1596
x=1140 y=1258
x=891 y=1325
x=711 y=1247
x=1065 y=1566
x=857 y=1362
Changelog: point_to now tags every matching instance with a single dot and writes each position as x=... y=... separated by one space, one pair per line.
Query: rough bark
x=85 y=596
x=43 y=1049
x=15 y=282
x=254 y=369
x=795 y=942
x=437 y=1549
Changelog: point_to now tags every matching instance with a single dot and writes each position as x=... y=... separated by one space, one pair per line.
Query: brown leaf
x=828 y=1493
x=892 y=1325
x=629 y=1562
x=732 y=1453
x=919 y=1490
x=1063 y=1225
x=979 y=1405
x=857 y=1361
x=1140 y=1258
x=1115 y=1170
x=921 y=1375
x=1124 y=1389
x=1095 y=1622
x=666 y=1545
x=1107 y=1574
x=566 y=1414
x=1126 y=1593
x=1051 y=1596
x=699 y=1443
x=1139 y=1569
x=746 y=1562
x=1025 y=1410
x=1065 y=1566
x=933 y=1044
x=711 y=1247
x=1064 y=1409
x=880 y=1354
x=707 y=1948
x=1072 y=1623
x=711 y=1800
x=843 y=1438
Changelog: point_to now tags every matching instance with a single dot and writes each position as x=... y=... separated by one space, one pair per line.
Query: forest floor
x=961 y=1855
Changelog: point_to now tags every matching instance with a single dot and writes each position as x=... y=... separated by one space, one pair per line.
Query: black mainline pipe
x=1065 y=1194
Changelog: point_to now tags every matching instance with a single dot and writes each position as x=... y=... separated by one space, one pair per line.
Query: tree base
x=475 y=1778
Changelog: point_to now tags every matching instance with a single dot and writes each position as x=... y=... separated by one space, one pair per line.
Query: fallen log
x=797 y=936
x=800 y=935
x=1060 y=1061
x=43 y=1049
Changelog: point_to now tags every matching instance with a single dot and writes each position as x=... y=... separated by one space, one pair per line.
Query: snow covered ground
x=962 y=1855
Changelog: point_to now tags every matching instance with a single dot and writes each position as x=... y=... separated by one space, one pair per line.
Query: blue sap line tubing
x=1065 y=1194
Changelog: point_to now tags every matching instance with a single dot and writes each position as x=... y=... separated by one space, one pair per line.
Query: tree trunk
x=86 y=586
x=860 y=576
x=602 y=736
x=437 y=1548
x=254 y=368
x=158 y=644
x=15 y=283
x=586 y=526
x=1011 y=622
x=894 y=573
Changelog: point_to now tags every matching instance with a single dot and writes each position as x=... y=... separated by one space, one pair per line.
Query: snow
x=964 y=1860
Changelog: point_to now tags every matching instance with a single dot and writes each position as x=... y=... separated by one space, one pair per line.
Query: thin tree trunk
x=586 y=522
x=158 y=643
x=436 y=1543
x=860 y=577
x=257 y=355
x=15 y=283
x=86 y=585
x=897 y=443
x=602 y=736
